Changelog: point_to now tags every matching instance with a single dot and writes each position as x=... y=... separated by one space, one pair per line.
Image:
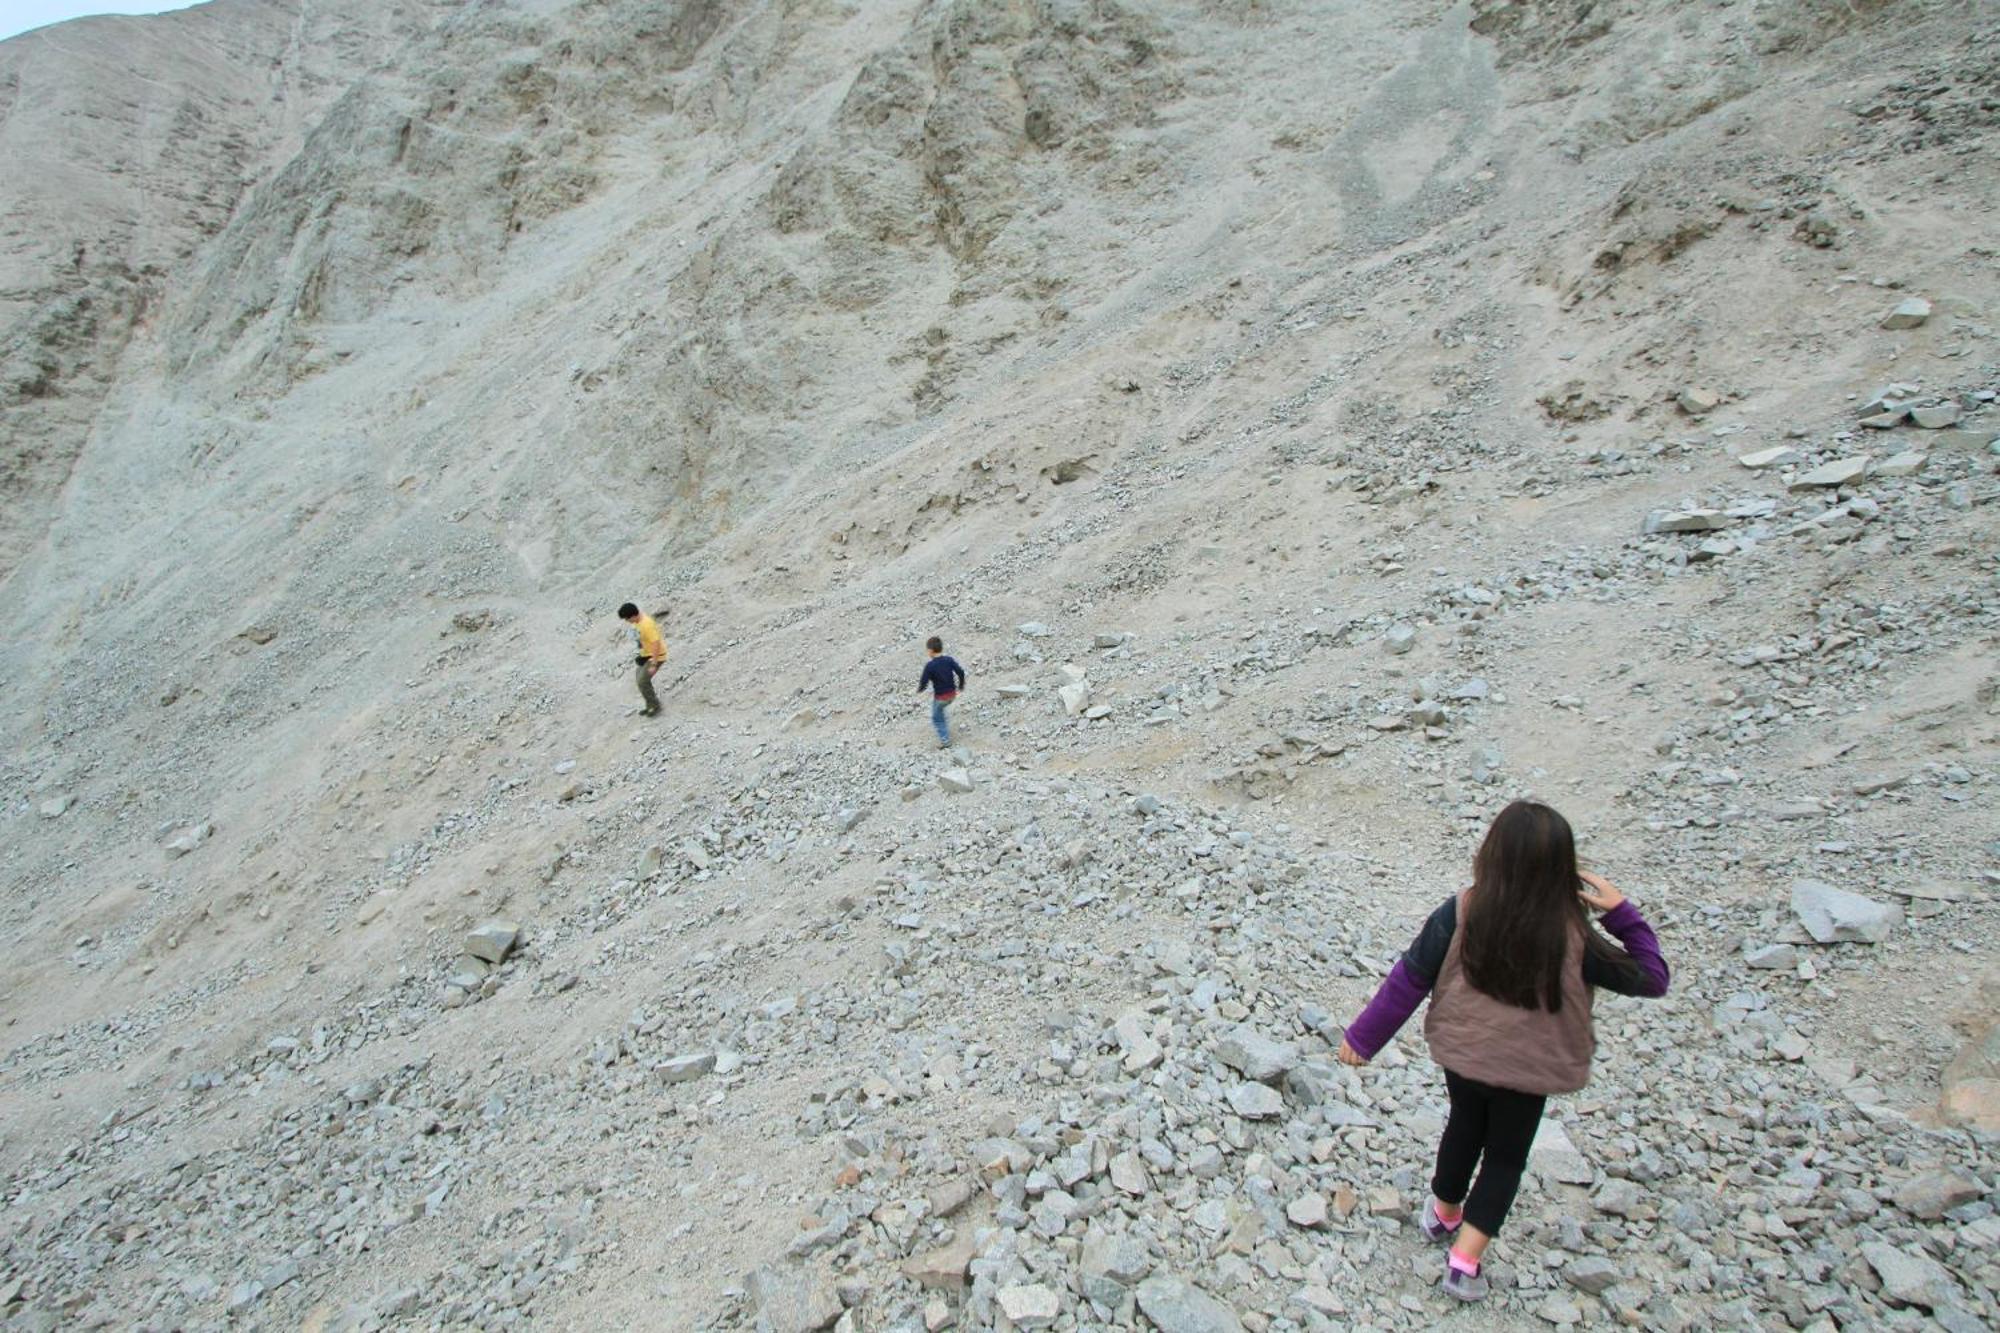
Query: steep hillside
x=1380 y=410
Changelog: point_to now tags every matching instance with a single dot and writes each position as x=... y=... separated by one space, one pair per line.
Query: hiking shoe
x=1465 y=1286
x=1434 y=1227
x=944 y=745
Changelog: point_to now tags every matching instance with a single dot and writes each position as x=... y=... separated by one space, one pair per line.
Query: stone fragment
x=1033 y=629
x=685 y=1068
x=1777 y=456
x=1177 y=1306
x=956 y=780
x=1075 y=697
x=1111 y=640
x=187 y=839
x=1684 y=520
x=1254 y=1055
x=1399 y=640
x=1931 y=1195
x=1772 y=958
x=1029 y=1305
x=948 y=1198
x=1905 y=464
x=793 y=1302
x=1697 y=401
x=1141 y=1051
x=1879 y=782
x=55 y=806
x=1129 y=1174
x=1559 y=1310
x=1555 y=1156
x=1908 y=314
x=491 y=941
x=1308 y=1211
x=1255 y=1101
x=1835 y=916
x=1889 y=420
x=1940 y=417
x=1909 y=1278
x=943 y=1269
x=1114 y=1257
x=1592 y=1274
x=1841 y=472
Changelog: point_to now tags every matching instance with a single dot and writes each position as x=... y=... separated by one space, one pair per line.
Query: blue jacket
x=942 y=675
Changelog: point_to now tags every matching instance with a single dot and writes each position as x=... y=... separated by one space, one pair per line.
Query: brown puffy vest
x=1529 y=1050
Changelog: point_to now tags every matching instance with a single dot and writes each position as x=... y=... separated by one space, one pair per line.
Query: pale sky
x=17 y=16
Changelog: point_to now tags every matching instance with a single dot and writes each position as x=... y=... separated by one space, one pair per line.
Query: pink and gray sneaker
x=1463 y=1279
x=1435 y=1227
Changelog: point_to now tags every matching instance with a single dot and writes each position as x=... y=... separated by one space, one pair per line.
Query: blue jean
x=939 y=721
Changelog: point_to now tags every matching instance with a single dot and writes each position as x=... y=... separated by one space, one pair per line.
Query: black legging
x=1497 y=1123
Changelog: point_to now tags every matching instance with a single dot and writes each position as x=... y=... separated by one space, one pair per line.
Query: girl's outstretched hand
x=1598 y=892
x=1348 y=1055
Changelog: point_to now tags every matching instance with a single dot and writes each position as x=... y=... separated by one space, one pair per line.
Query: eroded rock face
x=128 y=146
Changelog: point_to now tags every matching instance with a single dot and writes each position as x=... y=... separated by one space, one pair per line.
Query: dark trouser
x=646 y=685
x=1494 y=1124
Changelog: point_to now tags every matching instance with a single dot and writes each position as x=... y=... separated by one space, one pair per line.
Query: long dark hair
x=1524 y=909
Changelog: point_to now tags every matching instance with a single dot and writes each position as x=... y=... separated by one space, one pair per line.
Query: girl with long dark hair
x=1510 y=965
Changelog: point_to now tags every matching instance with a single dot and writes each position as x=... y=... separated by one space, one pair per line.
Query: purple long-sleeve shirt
x=1643 y=972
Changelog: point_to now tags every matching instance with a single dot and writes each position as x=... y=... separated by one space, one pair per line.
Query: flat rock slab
x=1835 y=916
x=1909 y=1278
x=1685 y=520
x=1840 y=472
x=1933 y=1194
x=685 y=1068
x=1176 y=1306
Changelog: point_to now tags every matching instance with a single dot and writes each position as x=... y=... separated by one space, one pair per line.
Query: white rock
x=685 y=1068
x=1841 y=472
x=1555 y=1156
x=1779 y=456
x=1255 y=1101
x=1029 y=1306
x=1908 y=314
x=1835 y=916
x=491 y=941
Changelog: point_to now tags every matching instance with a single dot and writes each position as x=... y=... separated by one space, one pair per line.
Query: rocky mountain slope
x=1366 y=413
